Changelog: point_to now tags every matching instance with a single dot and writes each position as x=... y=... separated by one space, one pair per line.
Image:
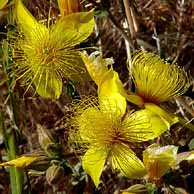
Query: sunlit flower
x=106 y=132
x=107 y=80
x=158 y=160
x=111 y=87
x=104 y=128
x=155 y=80
x=45 y=55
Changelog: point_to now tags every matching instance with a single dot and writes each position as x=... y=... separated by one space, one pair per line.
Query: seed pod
x=54 y=173
x=47 y=141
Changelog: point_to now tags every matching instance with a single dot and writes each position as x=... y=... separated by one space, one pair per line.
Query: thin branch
x=120 y=30
x=130 y=20
x=185 y=105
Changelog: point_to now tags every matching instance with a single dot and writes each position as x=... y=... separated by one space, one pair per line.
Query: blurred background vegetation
x=165 y=27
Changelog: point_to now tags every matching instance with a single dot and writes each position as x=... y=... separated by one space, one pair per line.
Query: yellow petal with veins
x=97 y=66
x=144 y=125
x=28 y=23
x=158 y=160
x=48 y=85
x=75 y=28
x=110 y=94
x=171 y=119
x=125 y=160
x=93 y=163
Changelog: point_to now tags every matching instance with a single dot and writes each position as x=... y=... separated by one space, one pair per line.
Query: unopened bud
x=48 y=141
x=158 y=160
x=135 y=189
x=41 y=164
x=67 y=7
x=54 y=173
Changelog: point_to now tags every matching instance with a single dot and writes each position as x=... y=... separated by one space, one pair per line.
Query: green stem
x=16 y=175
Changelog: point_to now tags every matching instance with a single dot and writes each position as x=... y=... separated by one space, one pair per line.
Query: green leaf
x=191 y=144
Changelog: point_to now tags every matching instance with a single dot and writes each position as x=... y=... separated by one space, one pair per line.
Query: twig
x=155 y=37
x=181 y=110
x=131 y=21
x=185 y=105
x=120 y=30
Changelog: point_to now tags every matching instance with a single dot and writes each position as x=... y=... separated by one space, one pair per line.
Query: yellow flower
x=107 y=132
x=105 y=129
x=46 y=55
x=107 y=80
x=157 y=81
x=158 y=160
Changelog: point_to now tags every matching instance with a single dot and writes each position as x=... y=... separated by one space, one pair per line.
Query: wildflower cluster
x=107 y=129
x=102 y=127
x=106 y=133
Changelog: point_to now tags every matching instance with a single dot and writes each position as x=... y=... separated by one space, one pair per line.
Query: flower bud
x=34 y=161
x=47 y=141
x=67 y=7
x=54 y=173
x=136 y=189
x=158 y=160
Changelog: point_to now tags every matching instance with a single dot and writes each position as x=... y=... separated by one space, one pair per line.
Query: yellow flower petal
x=68 y=6
x=85 y=120
x=125 y=160
x=135 y=99
x=97 y=66
x=105 y=77
x=156 y=80
x=110 y=94
x=93 y=163
x=167 y=117
x=28 y=23
x=3 y=3
x=158 y=160
x=47 y=85
x=75 y=28
x=144 y=125
x=21 y=162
